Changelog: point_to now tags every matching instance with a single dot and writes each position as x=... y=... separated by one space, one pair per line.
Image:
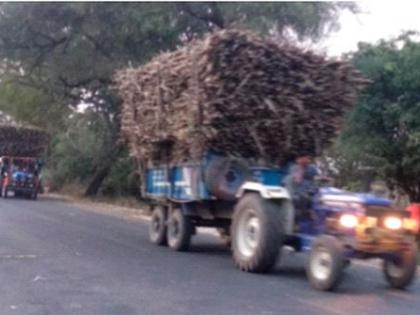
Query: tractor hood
x=335 y=195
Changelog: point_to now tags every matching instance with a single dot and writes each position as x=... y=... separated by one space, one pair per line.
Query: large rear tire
x=326 y=263
x=257 y=233
x=157 y=227
x=401 y=274
x=180 y=229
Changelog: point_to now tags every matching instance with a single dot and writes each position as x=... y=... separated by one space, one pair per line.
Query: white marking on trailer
x=161 y=184
x=186 y=185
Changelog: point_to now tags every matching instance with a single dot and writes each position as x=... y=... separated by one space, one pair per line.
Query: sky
x=378 y=19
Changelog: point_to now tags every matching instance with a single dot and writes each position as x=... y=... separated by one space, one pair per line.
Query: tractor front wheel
x=400 y=272
x=326 y=263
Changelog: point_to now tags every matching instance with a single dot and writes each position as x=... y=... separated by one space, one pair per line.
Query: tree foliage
x=30 y=106
x=383 y=131
x=65 y=54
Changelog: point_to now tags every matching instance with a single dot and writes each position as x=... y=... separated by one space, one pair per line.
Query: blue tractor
x=255 y=213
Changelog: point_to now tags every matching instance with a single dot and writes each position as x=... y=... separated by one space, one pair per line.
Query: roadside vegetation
x=58 y=60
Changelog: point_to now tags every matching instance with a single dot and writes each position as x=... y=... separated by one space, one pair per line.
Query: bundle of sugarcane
x=235 y=93
x=22 y=141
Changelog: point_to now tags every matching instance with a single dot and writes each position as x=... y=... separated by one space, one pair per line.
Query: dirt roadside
x=139 y=212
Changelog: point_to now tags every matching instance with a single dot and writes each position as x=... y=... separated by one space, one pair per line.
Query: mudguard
x=278 y=194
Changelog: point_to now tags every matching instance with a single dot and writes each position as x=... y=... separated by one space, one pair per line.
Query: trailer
x=20 y=175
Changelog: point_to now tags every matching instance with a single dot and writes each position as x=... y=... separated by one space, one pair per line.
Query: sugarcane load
x=215 y=126
x=22 y=141
x=237 y=93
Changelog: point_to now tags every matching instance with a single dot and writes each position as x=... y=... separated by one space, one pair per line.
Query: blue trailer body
x=180 y=183
x=184 y=182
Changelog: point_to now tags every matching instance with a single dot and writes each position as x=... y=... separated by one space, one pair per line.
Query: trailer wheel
x=326 y=263
x=257 y=233
x=157 y=227
x=224 y=234
x=180 y=229
x=400 y=274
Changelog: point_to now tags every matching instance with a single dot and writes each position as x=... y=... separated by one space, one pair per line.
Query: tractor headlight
x=393 y=223
x=411 y=225
x=349 y=221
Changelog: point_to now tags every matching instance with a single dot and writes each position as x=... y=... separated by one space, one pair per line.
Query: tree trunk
x=102 y=172
x=366 y=179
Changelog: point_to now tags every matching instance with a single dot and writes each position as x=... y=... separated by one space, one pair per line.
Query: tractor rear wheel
x=257 y=233
x=401 y=273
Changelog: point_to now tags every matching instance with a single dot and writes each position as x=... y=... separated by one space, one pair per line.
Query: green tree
x=68 y=52
x=30 y=106
x=383 y=131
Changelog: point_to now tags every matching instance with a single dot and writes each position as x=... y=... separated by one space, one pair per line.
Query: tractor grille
x=380 y=212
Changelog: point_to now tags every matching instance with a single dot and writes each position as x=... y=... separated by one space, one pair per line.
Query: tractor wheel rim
x=395 y=270
x=249 y=233
x=321 y=264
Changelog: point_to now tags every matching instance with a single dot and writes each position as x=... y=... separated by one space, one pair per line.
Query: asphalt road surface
x=57 y=259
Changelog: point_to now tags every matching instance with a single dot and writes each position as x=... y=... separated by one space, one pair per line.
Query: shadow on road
x=358 y=280
x=214 y=249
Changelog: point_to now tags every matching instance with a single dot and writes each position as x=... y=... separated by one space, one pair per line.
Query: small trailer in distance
x=20 y=175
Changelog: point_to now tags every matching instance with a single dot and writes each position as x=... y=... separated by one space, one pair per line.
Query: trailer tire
x=180 y=229
x=402 y=275
x=257 y=233
x=157 y=227
x=326 y=263
x=224 y=176
x=224 y=234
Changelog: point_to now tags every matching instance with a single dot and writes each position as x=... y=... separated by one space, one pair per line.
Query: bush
x=123 y=179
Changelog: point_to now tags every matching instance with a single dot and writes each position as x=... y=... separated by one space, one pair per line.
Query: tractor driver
x=302 y=187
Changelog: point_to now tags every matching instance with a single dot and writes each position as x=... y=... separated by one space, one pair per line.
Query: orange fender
x=414 y=210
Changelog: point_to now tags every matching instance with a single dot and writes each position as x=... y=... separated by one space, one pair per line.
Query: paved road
x=56 y=259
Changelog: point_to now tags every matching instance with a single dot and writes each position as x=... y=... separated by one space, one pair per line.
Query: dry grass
x=126 y=207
